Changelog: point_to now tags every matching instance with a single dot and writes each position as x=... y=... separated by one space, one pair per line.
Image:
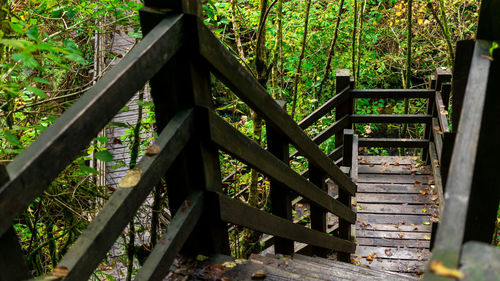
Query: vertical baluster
x=281 y=203
x=318 y=215
x=344 y=197
x=12 y=261
x=183 y=83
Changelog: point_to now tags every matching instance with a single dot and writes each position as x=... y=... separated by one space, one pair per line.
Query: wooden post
x=343 y=80
x=318 y=215
x=184 y=83
x=344 y=197
x=463 y=59
x=485 y=193
x=281 y=203
x=440 y=76
x=12 y=261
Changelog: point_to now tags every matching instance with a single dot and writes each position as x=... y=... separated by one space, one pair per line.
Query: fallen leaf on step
x=388 y=252
x=259 y=274
x=396 y=164
x=438 y=268
x=401 y=235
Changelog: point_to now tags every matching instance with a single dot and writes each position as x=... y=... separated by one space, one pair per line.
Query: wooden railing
x=471 y=194
x=177 y=55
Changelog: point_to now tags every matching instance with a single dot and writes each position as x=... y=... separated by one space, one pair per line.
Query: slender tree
x=301 y=57
x=331 y=53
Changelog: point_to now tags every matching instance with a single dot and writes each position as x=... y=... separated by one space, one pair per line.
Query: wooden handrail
x=234 y=211
x=451 y=231
x=324 y=108
x=442 y=112
x=71 y=133
x=391 y=118
x=240 y=146
x=163 y=254
x=247 y=88
x=392 y=93
x=88 y=251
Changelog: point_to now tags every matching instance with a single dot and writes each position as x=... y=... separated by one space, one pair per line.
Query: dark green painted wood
x=95 y=241
x=12 y=261
x=183 y=223
x=226 y=67
x=236 y=212
x=390 y=118
x=240 y=146
x=480 y=262
x=391 y=93
x=281 y=202
x=74 y=130
x=344 y=229
x=451 y=231
x=393 y=142
x=325 y=108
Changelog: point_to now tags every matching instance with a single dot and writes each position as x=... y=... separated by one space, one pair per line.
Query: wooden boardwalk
x=395 y=205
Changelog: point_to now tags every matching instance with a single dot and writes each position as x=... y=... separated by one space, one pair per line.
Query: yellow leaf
x=259 y=274
x=438 y=268
x=131 y=179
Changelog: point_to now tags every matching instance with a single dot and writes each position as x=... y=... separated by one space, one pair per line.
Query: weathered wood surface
x=307 y=268
x=391 y=93
x=480 y=261
x=237 y=144
x=246 y=87
x=323 y=110
x=450 y=235
x=74 y=130
x=236 y=212
x=391 y=118
x=393 y=142
x=102 y=232
x=394 y=209
x=382 y=178
x=158 y=262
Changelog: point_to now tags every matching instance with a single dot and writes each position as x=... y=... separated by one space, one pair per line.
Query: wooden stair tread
x=394 y=209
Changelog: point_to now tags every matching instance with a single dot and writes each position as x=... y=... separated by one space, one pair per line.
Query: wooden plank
x=343 y=267
x=393 y=209
x=385 y=242
x=393 y=253
x=464 y=50
x=382 y=178
x=407 y=266
x=395 y=227
x=240 y=146
x=390 y=188
x=391 y=118
x=437 y=176
x=246 y=87
x=394 y=219
x=488 y=26
x=401 y=235
x=236 y=212
x=92 y=245
x=344 y=230
x=392 y=198
x=354 y=161
x=450 y=234
x=442 y=111
x=326 y=271
x=281 y=203
x=391 y=93
x=12 y=261
x=393 y=142
x=157 y=265
x=74 y=130
x=480 y=261
x=438 y=138
x=399 y=169
x=321 y=111
x=402 y=160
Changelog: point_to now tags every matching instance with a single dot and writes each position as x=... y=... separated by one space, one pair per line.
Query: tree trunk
x=301 y=57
